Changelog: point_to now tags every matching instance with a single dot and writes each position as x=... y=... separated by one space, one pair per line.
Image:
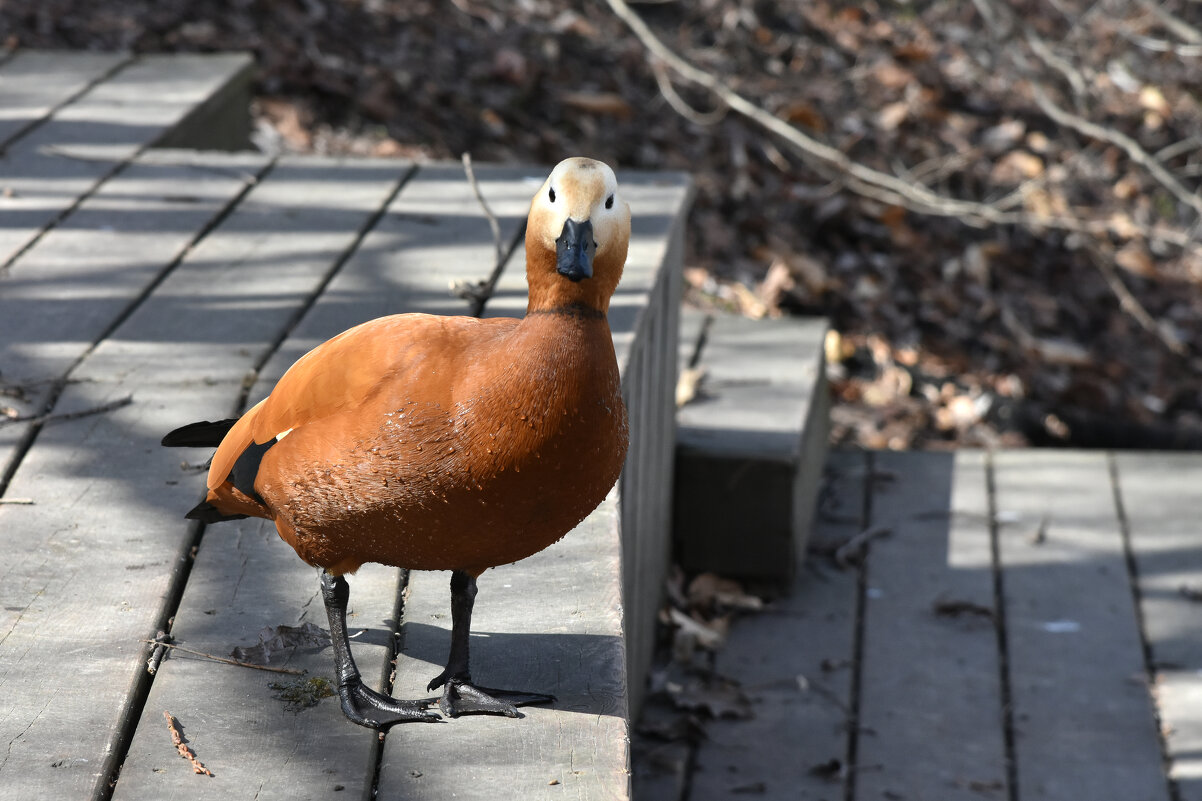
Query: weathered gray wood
x=434 y=234
x=750 y=449
x=222 y=120
x=90 y=565
x=115 y=120
x=247 y=579
x=1084 y=723
x=1162 y=504
x=85 y=573
x=794 y=661
x=930 y=702
x=60 y=296
x=35 y=82
x=644 y=319
x=550 y=623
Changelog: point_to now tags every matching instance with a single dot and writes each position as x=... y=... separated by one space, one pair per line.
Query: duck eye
x=551 y=194
x=609 y=202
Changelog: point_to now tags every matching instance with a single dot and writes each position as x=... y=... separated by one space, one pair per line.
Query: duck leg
x=360 y=703
x=459 y=695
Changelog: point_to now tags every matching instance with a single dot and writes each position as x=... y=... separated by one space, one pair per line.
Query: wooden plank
x=33 y=83
x=1084 y=726
x=550 y=623
x=91 y=565
x=246 y=579
x=47 y=171
x=794 y=661
x=434 y=234
x=1162 y=506
x=923 y=670
x=403 y=263
x=62 y=295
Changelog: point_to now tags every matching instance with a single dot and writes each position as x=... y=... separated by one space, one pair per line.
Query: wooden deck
x=1029 y=627
x=165 y=286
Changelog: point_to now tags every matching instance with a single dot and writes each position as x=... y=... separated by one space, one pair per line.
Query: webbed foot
x=365 y=706
x=461 y=697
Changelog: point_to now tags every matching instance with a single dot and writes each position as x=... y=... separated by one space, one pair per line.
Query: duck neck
x=551 y=293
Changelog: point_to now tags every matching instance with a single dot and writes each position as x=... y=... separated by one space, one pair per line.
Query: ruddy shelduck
x=444 y=443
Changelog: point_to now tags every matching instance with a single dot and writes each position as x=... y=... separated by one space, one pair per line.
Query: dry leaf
x=710 y=592
x=1017 y=166
x=889 y=75
x=1152 y=99
x=802 y=113
x=892 y=115
x=688 y=385
x=1134 y=258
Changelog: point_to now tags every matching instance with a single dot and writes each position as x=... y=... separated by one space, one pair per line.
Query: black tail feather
x=199 y=435
x=207 y=513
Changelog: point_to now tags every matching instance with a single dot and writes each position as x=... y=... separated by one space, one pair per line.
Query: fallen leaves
x=279 y=638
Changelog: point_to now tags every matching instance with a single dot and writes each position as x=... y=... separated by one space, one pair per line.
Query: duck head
x=576 y=237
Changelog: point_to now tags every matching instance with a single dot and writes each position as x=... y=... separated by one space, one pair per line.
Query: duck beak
x=574 y=250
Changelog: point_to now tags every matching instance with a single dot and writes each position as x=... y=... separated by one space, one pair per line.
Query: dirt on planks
x=1072 y=316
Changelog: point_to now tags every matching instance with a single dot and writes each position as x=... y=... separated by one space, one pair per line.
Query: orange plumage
x=450 y=443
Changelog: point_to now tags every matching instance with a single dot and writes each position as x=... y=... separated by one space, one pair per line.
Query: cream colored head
x=578 y=191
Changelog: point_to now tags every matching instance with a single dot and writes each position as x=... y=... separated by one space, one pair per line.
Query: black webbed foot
x=461 y=697
x=365 y=706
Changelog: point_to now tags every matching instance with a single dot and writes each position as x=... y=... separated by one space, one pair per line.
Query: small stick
x=21 y=501
x=45 y=418
x=156 y=656
x=215 y=658
x=492 y=218
x=854 y=547
x=178 y=741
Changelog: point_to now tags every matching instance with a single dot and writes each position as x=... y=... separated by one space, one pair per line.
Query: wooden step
x=751 y=446
x=69 y=121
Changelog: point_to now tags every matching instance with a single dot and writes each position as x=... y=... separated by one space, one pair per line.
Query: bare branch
x=1132 y=148
x=493 y=225
x=45 y=418
x=664 y=81
x=224 y=660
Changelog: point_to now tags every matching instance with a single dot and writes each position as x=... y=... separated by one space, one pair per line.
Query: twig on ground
x=45 y=418
x=18 y=501
x=478 y=292
x=866 y=181
x=852 y=551
x=492 y=218
x=187 y=753
x=215 y=658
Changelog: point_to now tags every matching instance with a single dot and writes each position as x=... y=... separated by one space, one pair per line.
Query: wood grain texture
x=795 y=662
x=551 y=623
x=61 y=296
x=116 y=119
x=930 y=704
x=93 y=560
x=1160 y=498
x=35 y=82
x=1084 y=723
